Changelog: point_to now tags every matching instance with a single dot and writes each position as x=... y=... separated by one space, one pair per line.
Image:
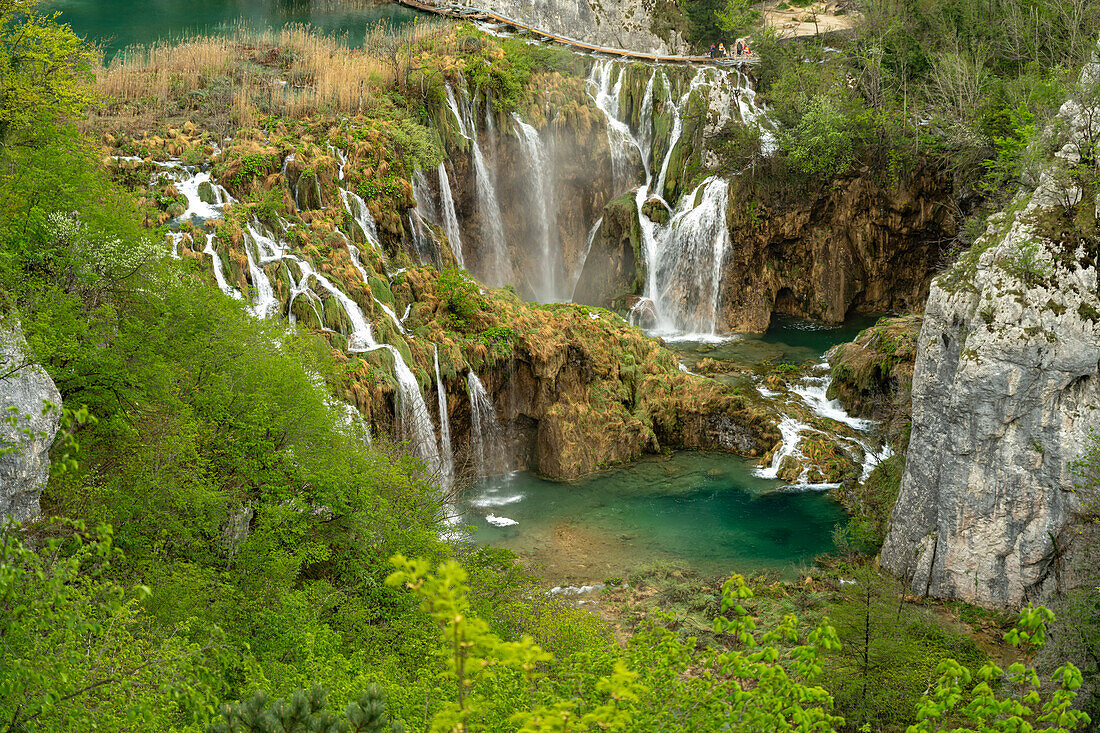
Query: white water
x=219 y=271
x=450 y=217
x=357 y=207
x=489 y=449
x=446 y=451
x=811 y=390
x=541 y=201
x=499 y=267
x=687 y=268
x=684 y=258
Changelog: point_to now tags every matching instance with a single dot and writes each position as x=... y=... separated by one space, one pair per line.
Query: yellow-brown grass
x=301 y=72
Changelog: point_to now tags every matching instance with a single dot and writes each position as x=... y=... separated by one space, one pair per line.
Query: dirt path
x=791 y=21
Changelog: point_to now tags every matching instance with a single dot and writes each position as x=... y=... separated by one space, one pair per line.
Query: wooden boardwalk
x=479 y=14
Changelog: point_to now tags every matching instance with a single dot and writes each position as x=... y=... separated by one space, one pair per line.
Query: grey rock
x=25 y=392
x=1006 y=392
x=610 y=23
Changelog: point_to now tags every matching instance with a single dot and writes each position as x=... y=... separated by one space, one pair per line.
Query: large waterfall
x=684 y=248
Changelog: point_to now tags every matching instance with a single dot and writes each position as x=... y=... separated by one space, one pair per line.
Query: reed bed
x=292 y=71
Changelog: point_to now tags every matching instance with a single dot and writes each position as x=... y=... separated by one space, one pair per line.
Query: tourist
x=740 y=46
x=721 y=50
x=713 y=50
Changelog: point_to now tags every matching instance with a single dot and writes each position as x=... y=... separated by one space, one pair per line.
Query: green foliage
x=997 y=700
x=737 y=17
x=43 y=70
x=823 y=142
x=78 y=651
x=462 y=298
x=307 y=712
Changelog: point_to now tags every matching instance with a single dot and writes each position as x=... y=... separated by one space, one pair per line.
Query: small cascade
x=265 y=305
x=219 y=271
x=450 y=217
x=540 y=185
x=812 y=390
x=446 y=452
x=357 y=207
x=489 y=448
x=392 y=316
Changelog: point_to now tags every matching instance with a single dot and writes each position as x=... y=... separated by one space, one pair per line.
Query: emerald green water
x=120 y=23
x=698 y=511
x=788 y=341
x=704 y=512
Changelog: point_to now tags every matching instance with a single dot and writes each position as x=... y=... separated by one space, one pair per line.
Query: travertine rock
x=25 y=390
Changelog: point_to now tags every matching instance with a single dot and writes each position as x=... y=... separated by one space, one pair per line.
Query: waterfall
x=265 y=305
x=357 y=207
x=450 y=218
x=540 y=189
x=489 y=447
x=684 y=257
x=588 y=248
x=446 y=452
x=687 y=263
x=492 y=225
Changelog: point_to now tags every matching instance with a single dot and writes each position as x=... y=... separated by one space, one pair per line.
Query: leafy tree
x=822 y=144
x=996 y=700
x=737 y=17
x=76 y=652
x=43 y=70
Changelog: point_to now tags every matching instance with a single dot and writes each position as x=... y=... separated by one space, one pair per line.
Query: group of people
x=740 y=49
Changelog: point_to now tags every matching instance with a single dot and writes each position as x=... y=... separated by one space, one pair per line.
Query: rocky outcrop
x=853 y=247
x=612 y=23
x=1006 y=394
x=873 y=376
x=29 y=427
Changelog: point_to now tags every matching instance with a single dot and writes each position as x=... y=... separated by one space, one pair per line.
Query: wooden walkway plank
x=470 y=13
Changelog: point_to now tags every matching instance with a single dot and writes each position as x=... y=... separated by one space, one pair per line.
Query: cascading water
x=489 y=447
x=687 y=264
x=496 y=268
x=450 y=217
x=357 y=207
x=587 y=249
x=540 y=189
x=446 y=452
x=684 y=257
x=499 y=265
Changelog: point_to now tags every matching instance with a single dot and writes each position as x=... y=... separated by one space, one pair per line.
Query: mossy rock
x=207 y=194
x=381 y=291
x=656 y=211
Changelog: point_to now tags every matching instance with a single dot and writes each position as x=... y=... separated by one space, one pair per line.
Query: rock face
x=1006 y=390
x=854 y=247
x=24 y=447
x=611 y=23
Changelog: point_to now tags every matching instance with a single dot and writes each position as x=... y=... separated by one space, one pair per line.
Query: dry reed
x=291 y=71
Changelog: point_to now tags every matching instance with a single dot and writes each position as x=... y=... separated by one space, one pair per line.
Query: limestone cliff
x=611 y=23
x=25 y=390
x=1006 y=392
x=852 y=247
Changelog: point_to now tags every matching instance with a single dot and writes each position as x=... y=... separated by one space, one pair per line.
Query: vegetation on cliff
x=259 y=541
